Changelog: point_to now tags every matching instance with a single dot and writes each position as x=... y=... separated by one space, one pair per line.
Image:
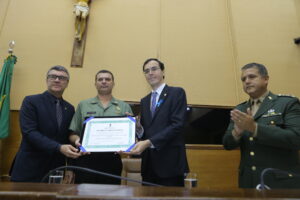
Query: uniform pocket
x=274 y=120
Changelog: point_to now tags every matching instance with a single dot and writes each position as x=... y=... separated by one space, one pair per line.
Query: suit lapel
x=147 y=107
x=50 y=106
x=266 y=105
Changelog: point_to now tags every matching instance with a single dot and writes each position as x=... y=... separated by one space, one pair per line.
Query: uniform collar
x=159 y=89
x=96 y=100
x=52 y=97
x=261 y=98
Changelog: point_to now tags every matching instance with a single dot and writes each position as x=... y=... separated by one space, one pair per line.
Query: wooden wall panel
x=202 y=42
x=263 y=32
x=197 y=49
x=10 y=145
x=4 y=4
x=214 y=166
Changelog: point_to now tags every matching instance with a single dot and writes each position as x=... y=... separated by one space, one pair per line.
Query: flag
x=5 y=83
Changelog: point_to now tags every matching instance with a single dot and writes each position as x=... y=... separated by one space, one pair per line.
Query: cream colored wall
x=3 y=8
x=202 y=42
x=196 y=45
x=264 y=31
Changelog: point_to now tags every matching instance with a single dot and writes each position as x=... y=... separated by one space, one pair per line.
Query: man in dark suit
x=44 y=121
x=163 y=114
x=267 y=130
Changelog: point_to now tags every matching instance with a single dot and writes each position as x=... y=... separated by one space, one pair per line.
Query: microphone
x=263 y=186
x=96 y=172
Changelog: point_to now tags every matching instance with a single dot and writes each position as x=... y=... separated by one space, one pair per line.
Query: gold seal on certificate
x=108 y=134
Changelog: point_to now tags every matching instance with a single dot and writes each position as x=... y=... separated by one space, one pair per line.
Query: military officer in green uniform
x=266 y=128
x=104 y=104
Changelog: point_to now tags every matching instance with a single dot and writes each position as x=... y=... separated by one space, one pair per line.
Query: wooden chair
x=131 y=169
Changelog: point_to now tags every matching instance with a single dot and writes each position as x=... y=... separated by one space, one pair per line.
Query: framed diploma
x=108 y=134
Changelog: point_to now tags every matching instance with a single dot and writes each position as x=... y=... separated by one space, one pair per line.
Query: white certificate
x=109 y=134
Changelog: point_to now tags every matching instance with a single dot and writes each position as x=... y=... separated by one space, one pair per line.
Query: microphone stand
x=96 y=172
x=262 y=185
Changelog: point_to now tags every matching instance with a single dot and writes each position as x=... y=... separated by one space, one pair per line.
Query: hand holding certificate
x=108 y=134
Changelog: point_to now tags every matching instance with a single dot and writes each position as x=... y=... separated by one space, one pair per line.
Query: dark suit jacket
x=41 y=138
x=168 y=158
x=276 y=145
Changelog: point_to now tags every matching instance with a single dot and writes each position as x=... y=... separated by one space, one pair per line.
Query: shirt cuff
x=235 y=136
x=58 y=147
x=152 y=146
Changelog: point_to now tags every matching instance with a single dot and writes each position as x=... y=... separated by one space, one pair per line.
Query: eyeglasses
x=152 y=69
x=53 y=77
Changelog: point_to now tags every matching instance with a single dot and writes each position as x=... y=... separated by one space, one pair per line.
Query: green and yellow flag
x=5 y=83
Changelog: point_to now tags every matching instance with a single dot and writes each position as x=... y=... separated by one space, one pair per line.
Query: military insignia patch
x=118 y=110
x=271 y=112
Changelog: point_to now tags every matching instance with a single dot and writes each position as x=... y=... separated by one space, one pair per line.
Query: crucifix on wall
x=81 y=10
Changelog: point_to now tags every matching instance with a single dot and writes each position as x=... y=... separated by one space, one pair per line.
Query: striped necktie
x=153 y=103
x=58 y=113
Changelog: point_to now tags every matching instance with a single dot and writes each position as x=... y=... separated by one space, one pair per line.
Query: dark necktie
x=58 y=113
x=153 y=103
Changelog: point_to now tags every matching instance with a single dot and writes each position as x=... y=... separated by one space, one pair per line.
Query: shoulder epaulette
x=286 y=95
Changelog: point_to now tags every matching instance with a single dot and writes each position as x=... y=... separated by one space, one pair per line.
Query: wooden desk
x=93 y=191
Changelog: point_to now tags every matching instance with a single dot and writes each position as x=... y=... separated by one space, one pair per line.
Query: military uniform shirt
x=92 y=107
